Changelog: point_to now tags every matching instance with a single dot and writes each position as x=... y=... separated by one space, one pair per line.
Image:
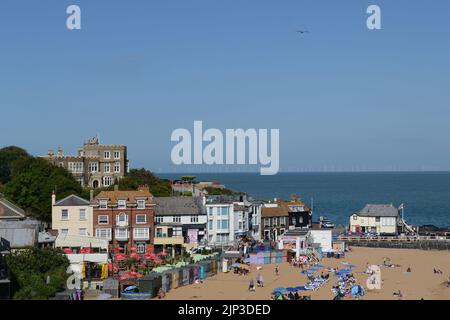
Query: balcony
x=164 y=240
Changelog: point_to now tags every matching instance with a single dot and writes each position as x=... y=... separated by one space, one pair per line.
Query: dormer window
x=122 y=204
x=141 y=204
x=103 y=204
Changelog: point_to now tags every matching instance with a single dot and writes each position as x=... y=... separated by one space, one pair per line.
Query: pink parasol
x=68 y=251
x=149 y=256
x=134 y=249
x=120 y=257
x=135 y=256
x=157 y=261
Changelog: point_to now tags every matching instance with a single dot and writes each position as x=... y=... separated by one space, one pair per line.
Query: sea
x=425 y=195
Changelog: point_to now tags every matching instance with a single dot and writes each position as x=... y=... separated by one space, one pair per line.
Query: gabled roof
x=166 y=206
x=378 y=210
x=129 y=196
x=72 y=200
x=9 y=210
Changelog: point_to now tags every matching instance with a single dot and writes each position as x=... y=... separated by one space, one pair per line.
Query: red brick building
x=125 y=218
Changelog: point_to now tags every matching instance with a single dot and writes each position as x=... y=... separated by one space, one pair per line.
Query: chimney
x=51 y=153
x=91 y=196
x=53 y=198
x=144 y=188
x=60 y=152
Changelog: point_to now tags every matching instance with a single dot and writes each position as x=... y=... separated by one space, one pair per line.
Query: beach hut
x=184 y=276
x=166 y=281
x=111 y=286
x=174 y=278
x=150 y=283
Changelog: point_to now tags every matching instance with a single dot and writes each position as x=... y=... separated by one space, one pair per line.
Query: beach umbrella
x=129 y=288
x=135 y=256
x=157 y=261
x=120 y=257
x=291 y=289
x=134 y=249
x=306 y=272
x=280 y=290
x=313 y=269
x=300 y=288
x=68 y=251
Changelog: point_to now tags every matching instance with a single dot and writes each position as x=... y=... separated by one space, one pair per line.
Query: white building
x=376 y=218
x=180 y=221
x=323 y=237
x=221 y=228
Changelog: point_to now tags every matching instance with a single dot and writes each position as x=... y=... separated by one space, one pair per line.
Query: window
x=224 y=224
x=107 y=155
x=103 y=219
x=103 y=204
x=210 y=211
x=93 y=167
x=107 y=181
x=82 y=232
x=121 y=233
x=267 y=222
x=117 y=167
x=219 y=224
x=194 y=219
x=224 y=211
x=122 y=219
x=107 y=168
x=159 y=219
x=176 y=219
x=377 y=219
x=141 y=233
x=116 y=154
x=141 y=204
x=104 y=233
x=64 y=214
x=141 y=218
x=82 y=214
x=75 y=167
x=122 y=204
x=355 y=217
x=64 y=232
x=210 y=224
x=140 y=248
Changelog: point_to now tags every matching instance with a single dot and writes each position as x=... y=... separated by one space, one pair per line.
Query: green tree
x=37 y=273
x=8 y=156
x=138 y=177
x=32 y=182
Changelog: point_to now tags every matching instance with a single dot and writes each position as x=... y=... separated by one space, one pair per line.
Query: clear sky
x=343 y=97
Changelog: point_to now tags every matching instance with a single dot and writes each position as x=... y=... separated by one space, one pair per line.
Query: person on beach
x=408 y=270
x=448 y=282
x=276 y=270
x=251 y=285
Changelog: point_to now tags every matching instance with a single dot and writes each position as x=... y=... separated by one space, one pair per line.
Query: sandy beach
x=420 y=283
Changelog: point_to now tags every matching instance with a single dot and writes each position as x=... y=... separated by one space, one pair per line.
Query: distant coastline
x=338 y=194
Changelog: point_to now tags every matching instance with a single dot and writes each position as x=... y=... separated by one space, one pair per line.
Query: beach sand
x=420 y=283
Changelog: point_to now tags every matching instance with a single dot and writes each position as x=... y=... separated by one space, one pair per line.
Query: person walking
x=276 y=270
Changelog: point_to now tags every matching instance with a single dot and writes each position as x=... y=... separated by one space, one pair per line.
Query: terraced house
x=125 y=218
x=179 y=222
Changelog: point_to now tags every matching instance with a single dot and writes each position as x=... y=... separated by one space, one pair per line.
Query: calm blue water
x=426 y=195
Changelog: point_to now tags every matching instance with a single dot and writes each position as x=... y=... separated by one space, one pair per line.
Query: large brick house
x=125 y=218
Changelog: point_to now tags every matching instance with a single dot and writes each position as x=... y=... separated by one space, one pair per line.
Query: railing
x=395 y=238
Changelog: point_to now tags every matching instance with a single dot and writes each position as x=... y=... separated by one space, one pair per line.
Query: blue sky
x=343 y=97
